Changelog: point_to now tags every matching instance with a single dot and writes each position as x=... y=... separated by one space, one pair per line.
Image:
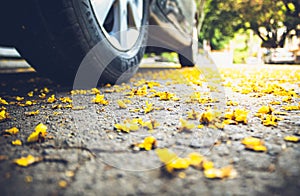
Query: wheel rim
x=120 y=21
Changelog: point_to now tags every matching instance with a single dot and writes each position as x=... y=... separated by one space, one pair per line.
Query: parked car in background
x=279 y=55
x=55 y=36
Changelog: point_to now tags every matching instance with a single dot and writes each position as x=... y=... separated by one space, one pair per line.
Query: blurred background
x=247 y=31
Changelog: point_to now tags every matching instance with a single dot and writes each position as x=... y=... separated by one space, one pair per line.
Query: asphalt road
x=84 y=153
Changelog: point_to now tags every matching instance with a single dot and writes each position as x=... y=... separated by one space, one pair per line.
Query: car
x=279 y=55
x=56 y=36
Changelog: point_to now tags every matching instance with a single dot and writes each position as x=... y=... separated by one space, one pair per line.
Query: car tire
x=188 y=56
x=57 y=35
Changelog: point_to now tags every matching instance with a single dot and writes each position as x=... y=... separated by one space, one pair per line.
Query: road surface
x=84 y=152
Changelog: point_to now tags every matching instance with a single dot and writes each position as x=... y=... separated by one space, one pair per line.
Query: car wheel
x=188 y=56
x=58 y=34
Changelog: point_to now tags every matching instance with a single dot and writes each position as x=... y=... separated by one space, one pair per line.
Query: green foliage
x=220 y=24
x=265 y=17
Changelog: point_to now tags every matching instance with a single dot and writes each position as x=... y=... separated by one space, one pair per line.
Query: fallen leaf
x=193 y=115
x=291 y=138
x=270 y=120
x=149 y=143
x=39 y=135
x=3 y=101
x=121 y=104
x=99 y=99
x=254 y=144
x=12 y=131
x=26 y=161
x=148 y=108
x=127 y=126
x=51 y=99
x=62 y=184
x=66 y=99
x=17 y=142
x=185 y=125
x=207 y=117
x=30 y=94
x=19 y=98
x=195 y=159
x=33 y=113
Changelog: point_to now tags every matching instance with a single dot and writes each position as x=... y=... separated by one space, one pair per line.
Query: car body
x=55 y=36
x=279 y=55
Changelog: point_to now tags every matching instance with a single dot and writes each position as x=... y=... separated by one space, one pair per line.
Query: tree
x=271 y=20
x=220 y=23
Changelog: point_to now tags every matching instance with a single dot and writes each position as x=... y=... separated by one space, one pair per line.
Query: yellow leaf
x=127 y=126
x=230 y=122
x=17 y=142
x=122 y=127
x=264 y=110
x=151 y=84
x=12 y=131
x=140 y=91
x=45 y=90
x=3 y=101
x=32 y=113
x=185 y=125
x=62 y=184
x=231 y=103
x=291 y=138
x=254 y=144
x=30 y=94
x=95 y=91
x=212 y=173
x=225 y=172
x=270 y=120
x=207 y=117
x=78 y=92
x=19 y=98
x=193 y=115
x=240 y=115
x=228 y=172
x=275 y=103
x=152 y=124
x=164 y=96
x=149 y=143
x=3 y=115
x=99 y=99
x=207 y=165
x=148 y=108
x=259 y=148
x=42 y=95
x=291 y=107
x=26 y=161
x=39 y=134
x=121 y=104
x=287 y=99
x=252 y=141
x=229 y=115
x=178 y=163
x=195 y=159
x=28 y=103
x=51 y=99
x=66 y=100
x=134 y=110
x=165 y=155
